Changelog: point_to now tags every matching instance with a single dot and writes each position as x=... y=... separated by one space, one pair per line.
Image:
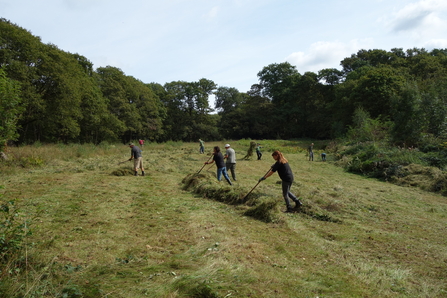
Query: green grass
x=97 y=234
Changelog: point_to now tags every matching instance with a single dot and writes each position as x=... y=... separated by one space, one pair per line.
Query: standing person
x=202 y=146
x=286 y=175
x=141 y=142
x=220 y=163
x=311 y=152
x=258 y=151
x=230 y=155
x=135 y=154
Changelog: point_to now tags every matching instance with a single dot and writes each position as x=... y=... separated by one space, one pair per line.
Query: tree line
x=50 y=95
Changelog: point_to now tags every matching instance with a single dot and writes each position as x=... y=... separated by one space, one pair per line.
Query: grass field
x=95 y=233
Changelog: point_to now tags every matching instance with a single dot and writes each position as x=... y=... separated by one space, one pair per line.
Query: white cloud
x=423 y=15
x=436 y=44
x=324 y=54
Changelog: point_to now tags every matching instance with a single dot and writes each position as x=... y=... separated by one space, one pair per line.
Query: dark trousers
x=231 y=167
x=286 y=185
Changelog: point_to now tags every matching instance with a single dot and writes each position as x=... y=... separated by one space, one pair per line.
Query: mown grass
x=176 y=234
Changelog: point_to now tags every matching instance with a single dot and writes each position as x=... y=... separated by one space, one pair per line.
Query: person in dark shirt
x=220 y=163
x=310 y=149
x=285 y=173
x=135 y=154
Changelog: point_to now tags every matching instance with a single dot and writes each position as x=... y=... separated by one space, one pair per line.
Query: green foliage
x=10 y=109
x=50 y=95
x=13 y=231
x=366 y=129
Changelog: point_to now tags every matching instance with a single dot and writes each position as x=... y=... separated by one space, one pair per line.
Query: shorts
x=138 y=163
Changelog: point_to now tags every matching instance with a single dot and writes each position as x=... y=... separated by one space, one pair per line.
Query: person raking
x=285 y=173
x=220 y=163
x=135 y=154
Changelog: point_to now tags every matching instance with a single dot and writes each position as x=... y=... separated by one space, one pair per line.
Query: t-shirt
x=284 y=171
x=218 y=158
x=231 y=155
x=135 y=152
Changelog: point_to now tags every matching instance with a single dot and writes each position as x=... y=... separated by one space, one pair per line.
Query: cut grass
x=97 y=234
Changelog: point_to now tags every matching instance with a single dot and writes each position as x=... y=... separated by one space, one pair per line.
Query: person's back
x=231 y=155
x=136 y=152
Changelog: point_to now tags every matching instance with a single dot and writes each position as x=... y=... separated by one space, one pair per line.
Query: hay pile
x=426 y=178
x=250 y=150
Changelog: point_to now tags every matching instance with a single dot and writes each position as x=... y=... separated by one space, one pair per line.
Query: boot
x=142 y=173
x=298 y=204
x=136 y=173
x=289 y=210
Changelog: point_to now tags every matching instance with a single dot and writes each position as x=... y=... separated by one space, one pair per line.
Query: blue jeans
x=223 y=171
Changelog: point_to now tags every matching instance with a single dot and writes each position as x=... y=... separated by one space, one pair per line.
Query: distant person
x=141 y=142
x=311 y=152
x=220 y=164
x=135 y=154
x=323 y=156
x=285 y=173
x=202 y=146
x=230 y=156
x=258 y=151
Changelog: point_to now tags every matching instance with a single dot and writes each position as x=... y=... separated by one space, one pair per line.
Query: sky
x=227 y=41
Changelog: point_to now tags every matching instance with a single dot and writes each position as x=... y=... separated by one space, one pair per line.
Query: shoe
x=289 y=210
x=142 y=174
x=298 y=205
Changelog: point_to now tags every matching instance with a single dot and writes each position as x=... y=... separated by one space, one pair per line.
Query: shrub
x=12 y=232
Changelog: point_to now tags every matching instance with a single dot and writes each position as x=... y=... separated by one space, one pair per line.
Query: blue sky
x=227 y=41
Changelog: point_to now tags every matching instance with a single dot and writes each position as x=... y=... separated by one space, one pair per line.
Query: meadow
x=84 y=226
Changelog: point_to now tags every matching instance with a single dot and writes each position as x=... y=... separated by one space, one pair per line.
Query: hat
x=130 y=144
x=227 y=145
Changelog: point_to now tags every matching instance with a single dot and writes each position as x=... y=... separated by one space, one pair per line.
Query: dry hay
x=192 y=181
x=426 y=178
x=264 y=211
x=123 y=172
x=205 y=184
x=321 y=216
x=250 y=150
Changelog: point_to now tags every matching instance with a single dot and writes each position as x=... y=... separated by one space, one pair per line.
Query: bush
x=12 y=232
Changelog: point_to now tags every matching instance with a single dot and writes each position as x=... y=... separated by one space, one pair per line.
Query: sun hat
x=130 y=144
x=227 y=145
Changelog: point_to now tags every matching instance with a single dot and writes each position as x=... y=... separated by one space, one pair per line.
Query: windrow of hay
x=203 y=185
x=426 y=178
x=263 y=209
x=123 y=172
